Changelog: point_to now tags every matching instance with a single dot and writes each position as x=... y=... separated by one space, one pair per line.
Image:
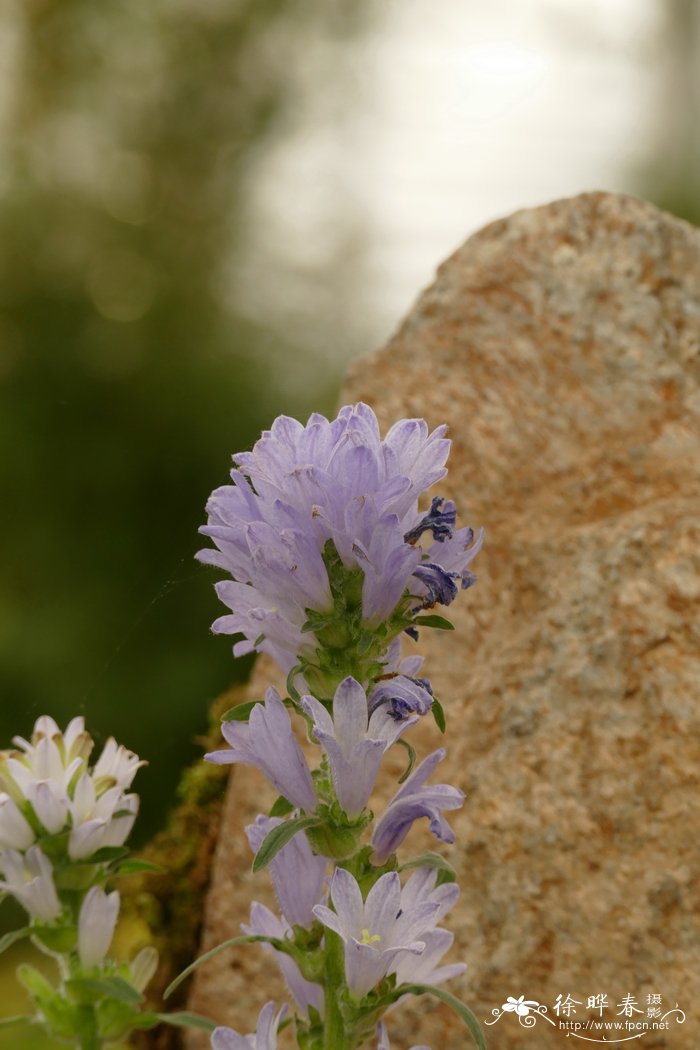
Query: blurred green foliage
x=126 y=377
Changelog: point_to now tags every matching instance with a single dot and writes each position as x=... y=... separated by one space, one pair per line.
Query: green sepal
x=276 y=839
x=240 y=713
x=11 y=938
x=280 y=945
x=281 y=807
x=452 y=1001
x=411 y=759
x=438 y=714
x=433 y=620
x=429 y=859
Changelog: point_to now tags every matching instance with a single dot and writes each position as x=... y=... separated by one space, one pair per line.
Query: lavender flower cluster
x=331 y=562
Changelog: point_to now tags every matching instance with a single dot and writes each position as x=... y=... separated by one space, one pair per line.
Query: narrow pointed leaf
x=429 y=859
x=279 y=837
x=411 y=759
x=438 y=714
x=187 y=1019
x=5 y=1022
x=452 y=1001
x=137 y=867
x=243 y=939
x=11 y=938
x=433 y=621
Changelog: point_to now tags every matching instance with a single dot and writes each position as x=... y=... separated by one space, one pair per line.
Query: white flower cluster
x=48 y=789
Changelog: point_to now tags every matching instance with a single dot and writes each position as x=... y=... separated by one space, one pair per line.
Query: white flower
x=99 y=821
x=15 y=831
x=29 y=879
x=96 y=923
x=50 y=772
x=116 y=765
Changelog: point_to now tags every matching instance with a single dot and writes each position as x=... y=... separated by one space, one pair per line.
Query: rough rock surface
x=562 y=345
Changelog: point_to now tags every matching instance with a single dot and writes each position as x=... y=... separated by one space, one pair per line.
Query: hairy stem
x=334 y=1035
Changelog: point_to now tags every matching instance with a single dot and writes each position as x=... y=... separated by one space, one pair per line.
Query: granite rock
x=562 y=347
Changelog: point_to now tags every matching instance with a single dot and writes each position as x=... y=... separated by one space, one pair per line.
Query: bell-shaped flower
x=353 y=741
x=96 y=923
x=421 y=887
x=298 y=874
x=15 y=831
x=29 y=878
x=375 y=932
x=116 y=766
x=264 y=923
x=412 y=801
x=50 y=804
x=426 y=969
x=99 y=821
x=268 y=743
x=264 y=1037
x=402 y=695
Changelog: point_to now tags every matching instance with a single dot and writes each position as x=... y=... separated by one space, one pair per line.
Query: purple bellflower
x=412 y=801
x=354 y=741
x=264 y=923
x=425 y=969
x=264 y=1037
x=268 y=743
x=338 y=481
x=298 y=874
x=403 y=696
x=375 y=932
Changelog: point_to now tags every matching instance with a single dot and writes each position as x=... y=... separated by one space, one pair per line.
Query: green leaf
x=459 y=1008
x=411 y=760
x=87 y=989
x=11 y=938
x=187 y=1019
x=429 y=859
x=438 y=714
x=279 y=837
x=136 y=867
x=281 y=807
x=243 y=939
x=239 y=713
x=59 y=939
x=433 y=620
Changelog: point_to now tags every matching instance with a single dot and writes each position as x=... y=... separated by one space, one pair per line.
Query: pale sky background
x=448 y=114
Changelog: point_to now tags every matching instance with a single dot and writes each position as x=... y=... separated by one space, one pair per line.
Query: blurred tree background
x=127 y=134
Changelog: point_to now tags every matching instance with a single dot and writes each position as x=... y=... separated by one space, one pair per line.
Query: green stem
x=334 y=1036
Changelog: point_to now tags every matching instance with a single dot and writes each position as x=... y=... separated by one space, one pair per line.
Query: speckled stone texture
x=562 y=346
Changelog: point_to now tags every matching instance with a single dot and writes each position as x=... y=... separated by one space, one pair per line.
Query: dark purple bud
x=438 y=520
x=439 y=583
